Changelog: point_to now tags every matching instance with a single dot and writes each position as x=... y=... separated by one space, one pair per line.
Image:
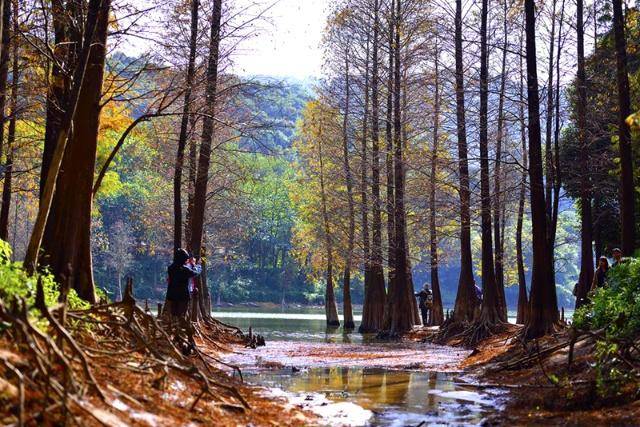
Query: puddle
x=388 y=384
x=376 y=396
x=349 y=379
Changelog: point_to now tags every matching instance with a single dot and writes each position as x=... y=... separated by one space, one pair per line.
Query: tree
x=118 y=253
x=65 y=206
x=437 y=312
x=373 y=303
x=523 y=295
x=204 y=156
x=627 y=186
x=346 y=284
x=499 y=198
x=586 y=237
x=331 y=309
x=466 y=300
x=184 y=128
x=401 y=300
x=543 y=315
x=11 y=136
x=376 y=288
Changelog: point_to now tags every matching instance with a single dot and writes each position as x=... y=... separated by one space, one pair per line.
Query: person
x=425 y=298
x=180 y=272
x=478 y=291
x=617 y=257
x=600 y=276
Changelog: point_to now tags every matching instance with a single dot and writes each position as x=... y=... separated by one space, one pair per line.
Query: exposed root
x=56 y=380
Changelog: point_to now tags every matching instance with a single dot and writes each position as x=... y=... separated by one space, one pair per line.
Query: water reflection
x=396 y=397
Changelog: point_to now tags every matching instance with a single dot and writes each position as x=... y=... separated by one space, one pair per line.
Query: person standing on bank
x=180 y=272
x=617 y=257
x=425 y=302
x=600 y=276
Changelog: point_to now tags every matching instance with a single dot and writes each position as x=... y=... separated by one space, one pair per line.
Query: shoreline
x=542 y=389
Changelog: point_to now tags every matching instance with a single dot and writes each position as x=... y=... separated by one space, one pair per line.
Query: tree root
x=57 y=375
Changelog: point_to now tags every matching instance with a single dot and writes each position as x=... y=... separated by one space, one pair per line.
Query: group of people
x=600 y=275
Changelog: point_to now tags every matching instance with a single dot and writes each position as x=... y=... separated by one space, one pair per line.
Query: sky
x=289 y=43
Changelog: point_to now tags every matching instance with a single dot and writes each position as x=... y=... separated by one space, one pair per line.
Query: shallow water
x=348 y=379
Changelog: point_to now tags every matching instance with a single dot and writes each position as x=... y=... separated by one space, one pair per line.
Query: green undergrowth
x=614 y=314
x=16 y=285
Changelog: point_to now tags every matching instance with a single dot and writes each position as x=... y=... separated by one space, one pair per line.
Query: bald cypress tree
x=543 y=315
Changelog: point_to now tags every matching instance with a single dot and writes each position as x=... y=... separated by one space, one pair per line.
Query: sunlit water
x=350 y=380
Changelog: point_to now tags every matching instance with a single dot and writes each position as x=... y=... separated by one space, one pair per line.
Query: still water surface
x=350 y=380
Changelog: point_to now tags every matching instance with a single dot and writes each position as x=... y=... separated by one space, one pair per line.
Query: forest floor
x=542 y=388
x=115 y=365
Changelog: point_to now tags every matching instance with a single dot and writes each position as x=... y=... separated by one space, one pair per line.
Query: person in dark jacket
x=425 y=302
x=180 y=271
x=600 y=276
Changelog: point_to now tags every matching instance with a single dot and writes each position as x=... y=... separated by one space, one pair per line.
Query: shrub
x=615 y=310
x=16 y=284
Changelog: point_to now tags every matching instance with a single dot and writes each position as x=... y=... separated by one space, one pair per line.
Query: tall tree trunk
x=191 y=185
x=466 y=300
x=376 y=285
x=5 y=37
x=346 y=284
x=401 y=301
x=8 y=166
x=557 y=185
x=66 y=240
x=498 y=221
x=490 y=302
x=59 y=88
x=549 y=164
x=523 y=296
x=330 y=306
x=627 y=187
x=206 y=141
x=417 y=319
x=586 y=261
x=204 y=157
x=372 y=304
x=3 y=45
x=389 y=154
x=543 y=315
x=437 y=311
x=184 y=129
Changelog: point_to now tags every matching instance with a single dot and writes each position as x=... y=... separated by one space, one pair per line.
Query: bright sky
x=289 y=45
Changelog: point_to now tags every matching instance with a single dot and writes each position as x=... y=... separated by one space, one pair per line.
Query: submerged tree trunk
x=466 y=300
x=586 y=261
x=346 y=284
x=523 y=296
x=543 y=315
x=437 y=312
x=67 y=236
x=627 y=186
x=184 y=129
